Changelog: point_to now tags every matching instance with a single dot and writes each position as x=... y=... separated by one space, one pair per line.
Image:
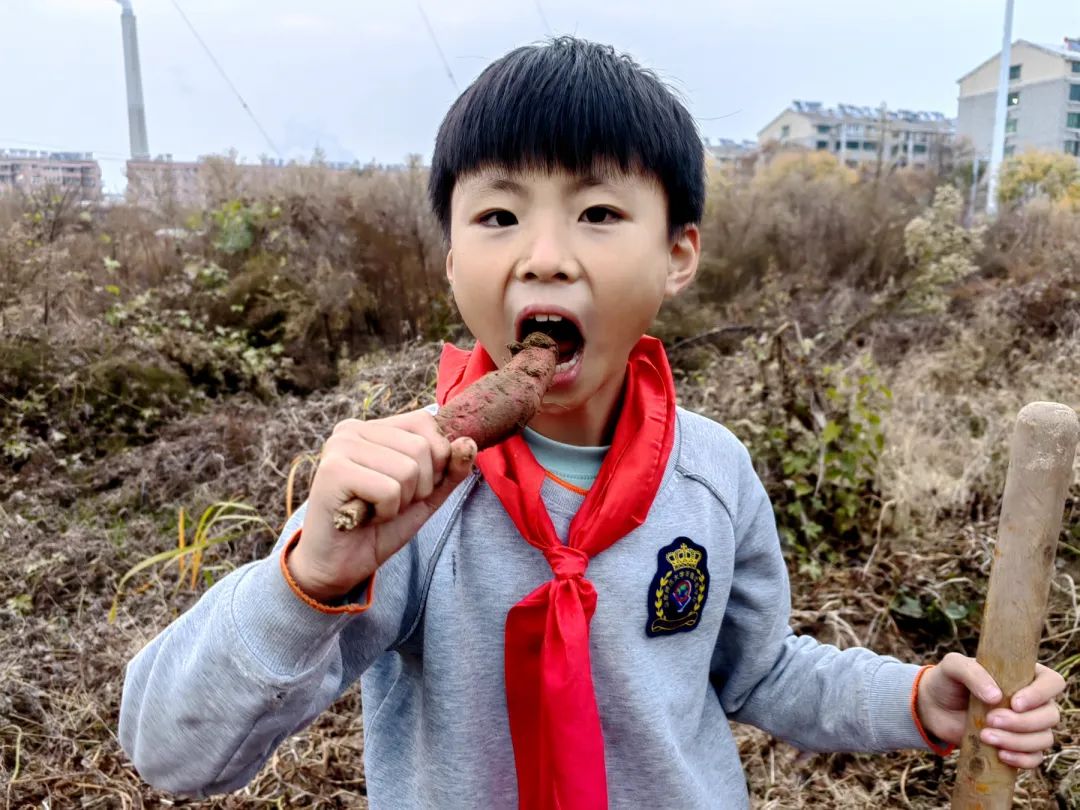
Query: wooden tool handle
x=1039 y=475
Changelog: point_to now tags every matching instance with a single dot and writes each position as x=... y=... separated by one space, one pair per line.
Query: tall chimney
x=140 y=149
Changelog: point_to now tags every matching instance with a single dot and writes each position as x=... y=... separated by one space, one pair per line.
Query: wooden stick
x=1039 y=475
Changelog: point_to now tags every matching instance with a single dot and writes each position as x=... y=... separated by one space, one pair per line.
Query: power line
x=225 y=76
x=435 y=41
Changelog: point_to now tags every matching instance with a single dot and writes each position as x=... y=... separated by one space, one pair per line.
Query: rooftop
x=33 y=154
x=1069 y=48
x=848 y=111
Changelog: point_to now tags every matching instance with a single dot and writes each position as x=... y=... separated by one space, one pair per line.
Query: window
x=1072 y=148
x=1014 y=72
x=822 y=144
x=824 y=129
x=1010 y=150
x=1014 y=98
x=1074 y=92
x=785 y=130
x=1073 y=121
x=853 y=145
x=919 y=149
x=1010 y=123
x=1076 y=67
x=869 y=146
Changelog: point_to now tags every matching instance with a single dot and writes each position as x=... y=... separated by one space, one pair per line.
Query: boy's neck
x=590 y=425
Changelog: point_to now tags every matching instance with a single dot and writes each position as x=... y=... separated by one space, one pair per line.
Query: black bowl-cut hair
x=573 y=105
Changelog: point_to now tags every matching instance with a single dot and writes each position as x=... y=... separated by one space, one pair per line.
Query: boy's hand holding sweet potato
x=404 y=466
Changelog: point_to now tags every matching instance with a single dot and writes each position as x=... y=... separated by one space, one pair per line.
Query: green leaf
x=831 y=432
x=909 y=606
x=955 y=610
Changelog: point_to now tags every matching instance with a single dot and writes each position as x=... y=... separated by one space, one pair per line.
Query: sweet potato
x=489 y=411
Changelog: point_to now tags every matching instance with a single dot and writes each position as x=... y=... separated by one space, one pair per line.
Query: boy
x=572 y=624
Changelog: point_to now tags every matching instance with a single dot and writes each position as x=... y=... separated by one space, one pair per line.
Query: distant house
x=30 y=170
x=1043 y=99
x=731 y=155
x=163 y=183
x=859 y=136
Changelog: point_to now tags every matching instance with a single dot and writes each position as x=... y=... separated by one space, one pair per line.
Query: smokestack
x=140 y=149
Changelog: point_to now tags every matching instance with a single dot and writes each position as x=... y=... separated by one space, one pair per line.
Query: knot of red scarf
x=551 y=703
x=566 y=562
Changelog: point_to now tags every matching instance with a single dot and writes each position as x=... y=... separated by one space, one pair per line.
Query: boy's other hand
x=404 y=467
x=1021 y=732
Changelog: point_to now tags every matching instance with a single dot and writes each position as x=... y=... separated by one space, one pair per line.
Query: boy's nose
x=548 y=260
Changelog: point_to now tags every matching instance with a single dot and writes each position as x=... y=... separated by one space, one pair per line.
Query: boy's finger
x=462 y=455
x=1019 y=760
x=411 y=445
x=1047 y=685
x=461 y=459
x=973 y=675
x=1012 y=741
x=1045 y=716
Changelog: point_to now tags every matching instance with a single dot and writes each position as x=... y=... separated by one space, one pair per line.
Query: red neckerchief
x=554 y=721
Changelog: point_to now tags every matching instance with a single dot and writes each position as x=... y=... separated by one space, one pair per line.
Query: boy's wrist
x=302 y=577
x=926 y=716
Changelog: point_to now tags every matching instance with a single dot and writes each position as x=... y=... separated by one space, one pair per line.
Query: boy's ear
x=450 y=265
x=683 y=260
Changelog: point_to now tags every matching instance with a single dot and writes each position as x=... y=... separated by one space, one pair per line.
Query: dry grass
x=71 y=526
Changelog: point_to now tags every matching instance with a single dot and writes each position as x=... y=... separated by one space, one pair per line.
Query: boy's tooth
x=540 y=317
x=553 y=317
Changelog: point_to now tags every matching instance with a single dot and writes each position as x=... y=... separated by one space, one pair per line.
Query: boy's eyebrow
x=500 y=182
x=590 y=181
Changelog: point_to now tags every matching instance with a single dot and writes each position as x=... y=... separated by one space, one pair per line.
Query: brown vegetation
x=870 y=351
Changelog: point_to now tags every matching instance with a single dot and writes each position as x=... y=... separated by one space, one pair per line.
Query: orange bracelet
x=936 y=747
x=311 y=601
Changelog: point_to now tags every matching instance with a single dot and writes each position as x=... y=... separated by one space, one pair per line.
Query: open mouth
x=562 y=330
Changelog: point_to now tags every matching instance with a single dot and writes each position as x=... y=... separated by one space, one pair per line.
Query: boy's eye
x=498 y=219
x=600 y=215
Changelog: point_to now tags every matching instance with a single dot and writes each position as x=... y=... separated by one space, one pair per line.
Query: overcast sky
x=363 y=79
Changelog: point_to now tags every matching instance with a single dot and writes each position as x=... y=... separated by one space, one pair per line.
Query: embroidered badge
x=679 y=587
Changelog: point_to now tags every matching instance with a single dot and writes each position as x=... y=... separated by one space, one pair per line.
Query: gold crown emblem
x=683 y=557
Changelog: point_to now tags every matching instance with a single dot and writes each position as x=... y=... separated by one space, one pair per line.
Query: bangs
x=573 y=106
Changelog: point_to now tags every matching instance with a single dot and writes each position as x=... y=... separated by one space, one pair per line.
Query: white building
x=1043 y=101
x=860 y=136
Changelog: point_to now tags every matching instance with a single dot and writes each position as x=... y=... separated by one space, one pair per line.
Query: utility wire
x=225 y=76
x=435 y=41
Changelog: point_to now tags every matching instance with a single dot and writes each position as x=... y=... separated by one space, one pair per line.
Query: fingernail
x=990 y=737
x=1019 y=705
x=993 y=696
x=993 y=720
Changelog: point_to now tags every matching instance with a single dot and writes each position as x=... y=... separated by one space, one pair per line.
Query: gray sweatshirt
x=210 y=698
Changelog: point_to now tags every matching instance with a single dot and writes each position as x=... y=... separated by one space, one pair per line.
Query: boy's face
x=529 y=248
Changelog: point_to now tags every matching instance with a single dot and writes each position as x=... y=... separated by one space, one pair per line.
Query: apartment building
x=30 y=170
x=1043 y=99
x=162 y=182
x=861 y=136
